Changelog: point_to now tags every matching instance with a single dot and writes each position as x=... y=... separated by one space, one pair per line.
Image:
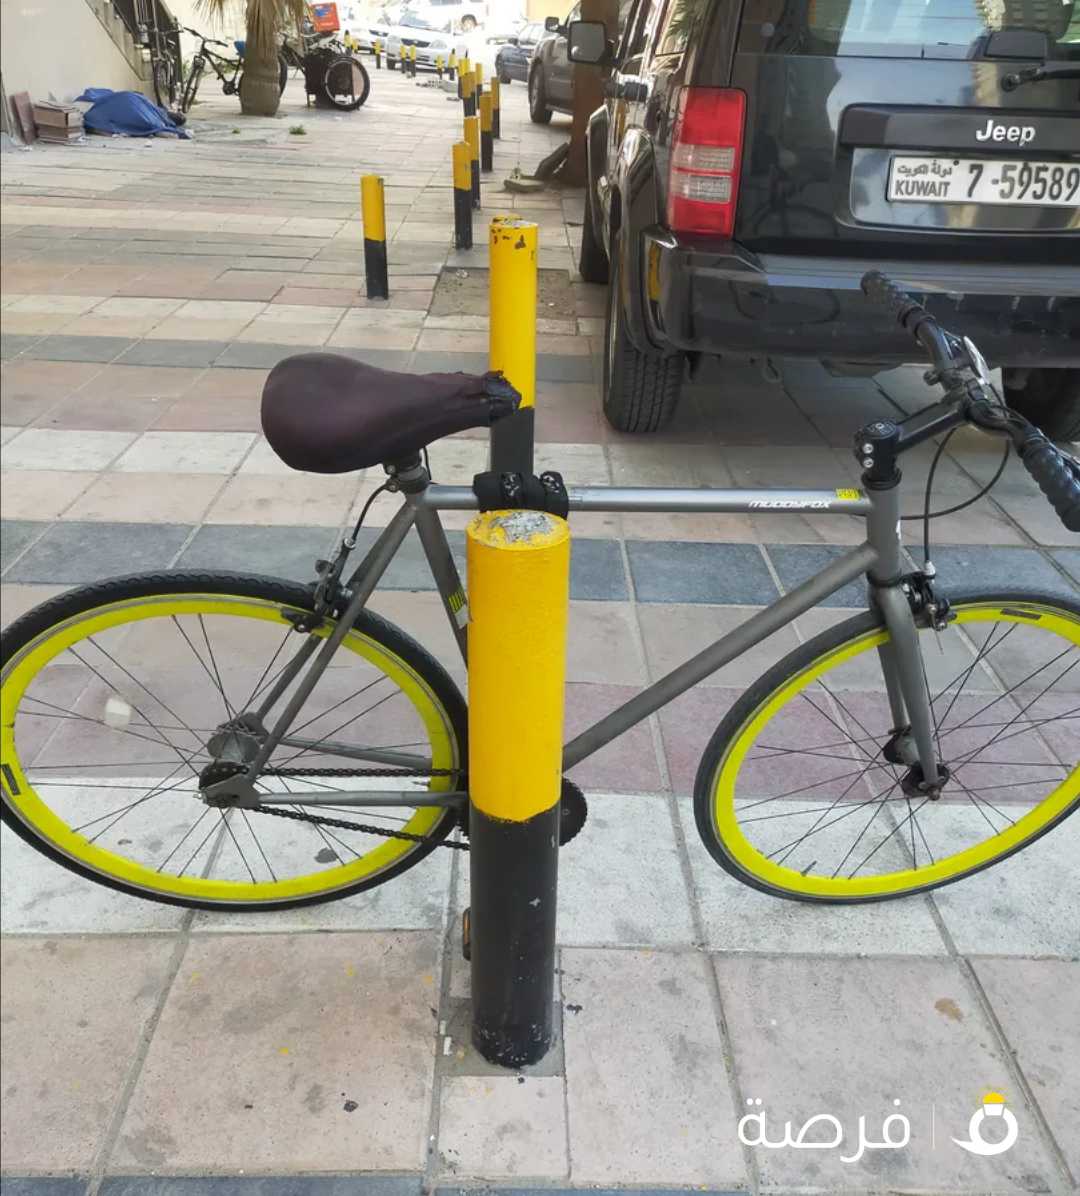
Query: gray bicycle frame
x=878 y=558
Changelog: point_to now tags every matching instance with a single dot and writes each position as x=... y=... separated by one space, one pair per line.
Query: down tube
x=801 y=599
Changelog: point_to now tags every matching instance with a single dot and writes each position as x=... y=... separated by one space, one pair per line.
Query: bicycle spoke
x=251 y=832
x=230 y=713
x=899 y=827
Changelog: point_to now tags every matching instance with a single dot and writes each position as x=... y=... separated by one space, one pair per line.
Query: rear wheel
x=116 y=699
x=539 y=112
x=346 y=83
x=592 y=260
x=641 y=390
x=1050 y=398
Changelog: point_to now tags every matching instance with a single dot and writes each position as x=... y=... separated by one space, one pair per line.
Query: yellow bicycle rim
x=723 y=788
x=21 y=797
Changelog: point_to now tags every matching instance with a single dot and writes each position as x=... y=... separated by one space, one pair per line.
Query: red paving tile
x=199 y=413
x=106 y=413
x=628 y=764
x=127 y=381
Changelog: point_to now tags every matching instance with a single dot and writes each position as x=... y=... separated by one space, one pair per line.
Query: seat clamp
x=520 y=491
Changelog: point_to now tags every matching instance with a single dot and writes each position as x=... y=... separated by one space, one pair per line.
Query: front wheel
x=165 y=83
x=346 y=83
x=117 y=697
x=801 y=794
x=640 y=390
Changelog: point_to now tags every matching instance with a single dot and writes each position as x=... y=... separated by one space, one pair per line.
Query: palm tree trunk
x=260 y=91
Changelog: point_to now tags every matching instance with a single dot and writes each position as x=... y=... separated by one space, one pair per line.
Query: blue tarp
x=127 y=113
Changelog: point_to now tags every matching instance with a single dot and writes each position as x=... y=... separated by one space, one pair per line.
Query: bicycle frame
x=878 y=558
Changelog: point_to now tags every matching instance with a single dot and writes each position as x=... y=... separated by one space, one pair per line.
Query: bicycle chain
x=366 y=828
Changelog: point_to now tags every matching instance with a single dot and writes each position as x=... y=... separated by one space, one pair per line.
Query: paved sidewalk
x=146 y=291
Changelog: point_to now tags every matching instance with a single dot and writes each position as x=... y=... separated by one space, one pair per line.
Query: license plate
x=984 y=180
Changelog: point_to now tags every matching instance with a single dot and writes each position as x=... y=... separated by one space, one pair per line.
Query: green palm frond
x=265 y=19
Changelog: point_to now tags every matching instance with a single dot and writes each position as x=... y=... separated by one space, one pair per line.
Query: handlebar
x=206 y=41
x=1057 y=475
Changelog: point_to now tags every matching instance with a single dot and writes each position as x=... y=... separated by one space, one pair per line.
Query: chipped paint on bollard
x=519 y=571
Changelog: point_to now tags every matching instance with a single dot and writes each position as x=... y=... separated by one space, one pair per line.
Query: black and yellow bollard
x=468 y=92
x=465 y=79
x=478 y=81
x=493 y=87
x=412 y=61
x=472 y=136
x=439 y=66
x=462 y=195
x=512 y=336
x=376 y=49
x=403 y=59
x=486 y=148
x=451 y=68
x=518 y=569
x=373 y=210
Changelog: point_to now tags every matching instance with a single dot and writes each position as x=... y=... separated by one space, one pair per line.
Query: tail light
x=706 y=155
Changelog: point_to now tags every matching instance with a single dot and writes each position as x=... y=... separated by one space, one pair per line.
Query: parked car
x=430 y=39
x=551 y=75
x=512 y=60
x=750 y=163
x=464 y=15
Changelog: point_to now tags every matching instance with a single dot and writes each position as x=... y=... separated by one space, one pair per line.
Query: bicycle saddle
x=324 y=413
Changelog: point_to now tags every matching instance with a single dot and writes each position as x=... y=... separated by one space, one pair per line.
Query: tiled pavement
x=152 y=1052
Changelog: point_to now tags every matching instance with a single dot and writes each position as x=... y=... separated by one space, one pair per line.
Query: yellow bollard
x=463 y=233
x=486 y=148
x=519 y=571
x=466 y=78
x=373 y=210
x=478 y=81
x=412 y=60
x=496 y=124
x=472 y=136
x=452 y=66
x=512 y=337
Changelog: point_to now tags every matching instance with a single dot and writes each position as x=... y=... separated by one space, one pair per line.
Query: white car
x=430 y=39
x=464 y=15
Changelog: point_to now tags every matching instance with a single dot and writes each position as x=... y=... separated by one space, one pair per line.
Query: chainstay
x=341 y=824
x=361 y=772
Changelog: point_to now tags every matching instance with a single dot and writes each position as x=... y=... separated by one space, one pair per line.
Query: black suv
x=754 y=159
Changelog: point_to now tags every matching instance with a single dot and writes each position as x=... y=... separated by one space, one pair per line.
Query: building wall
x=55 y=49
x=537 y=10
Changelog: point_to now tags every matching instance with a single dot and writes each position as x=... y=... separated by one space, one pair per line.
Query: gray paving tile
x=426 y=361
x=256 y=1185
x=1046 y=1045
x=190 y=353
x=794 y=563
x=12 y=344
x=385 y=359
x=848 y=1037
x=596 y=571
x=680 y=571
x=279 y=551
x=84 y=348
x=15 y=535
x=41 y=1185
x=253 y=355
x=1069 y=560
x=551 y=367
x=696 y=1191
x=77 y=553
x=983 y=566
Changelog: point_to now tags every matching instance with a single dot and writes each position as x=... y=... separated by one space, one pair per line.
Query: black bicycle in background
x=333 y=76
x=230 y=71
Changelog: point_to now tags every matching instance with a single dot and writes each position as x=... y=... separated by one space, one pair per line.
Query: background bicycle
x=230 y=71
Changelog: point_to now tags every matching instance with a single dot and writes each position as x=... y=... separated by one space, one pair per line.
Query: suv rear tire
x=1050 y=398
x=640 y=390
x=592 y=260
x=539 y=112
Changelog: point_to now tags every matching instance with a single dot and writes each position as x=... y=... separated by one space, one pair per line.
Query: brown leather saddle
x=324 y=413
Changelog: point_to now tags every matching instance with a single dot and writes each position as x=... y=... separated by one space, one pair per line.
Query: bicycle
x=230 y=71
x=166 y=70
x=333 y=74
x=230 y=741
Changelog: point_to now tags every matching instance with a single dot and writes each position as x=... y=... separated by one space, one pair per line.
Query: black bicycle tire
x=358 y=102
x=63 y=606
x=164 y=66
x=774 y=679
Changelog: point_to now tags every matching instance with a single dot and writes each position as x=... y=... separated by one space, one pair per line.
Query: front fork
x=901 y=660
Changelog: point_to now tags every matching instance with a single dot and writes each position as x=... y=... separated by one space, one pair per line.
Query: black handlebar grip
x=1058 y=478
x=877 y=287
